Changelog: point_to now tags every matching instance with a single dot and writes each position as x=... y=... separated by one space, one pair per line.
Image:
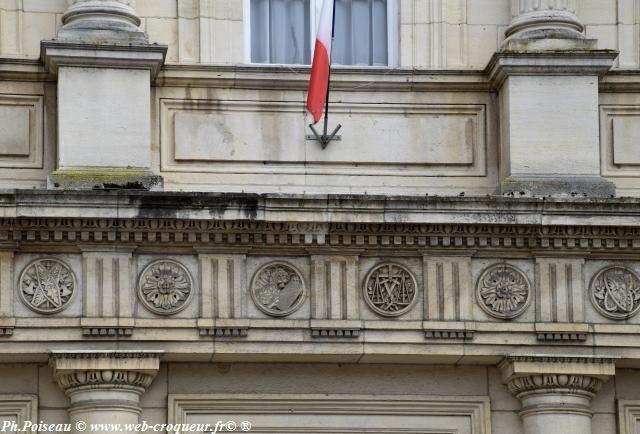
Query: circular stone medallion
x=47 y=285
x=390 y=289
x=615 y=292
x=165 y=287
x=503 y=291
x=278 y=289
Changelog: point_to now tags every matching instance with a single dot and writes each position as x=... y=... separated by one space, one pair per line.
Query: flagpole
x=333 y=35
x=322 y=42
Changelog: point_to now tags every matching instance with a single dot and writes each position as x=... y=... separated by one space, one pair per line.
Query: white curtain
x=280 y=31
x=360 y=33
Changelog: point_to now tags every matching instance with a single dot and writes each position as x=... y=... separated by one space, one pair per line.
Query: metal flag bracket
x=324 y=138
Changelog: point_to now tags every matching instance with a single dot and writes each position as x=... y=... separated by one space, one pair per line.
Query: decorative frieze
x=503 y=291
x=47 y=285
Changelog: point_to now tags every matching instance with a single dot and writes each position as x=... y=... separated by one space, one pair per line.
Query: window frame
x=393 y=28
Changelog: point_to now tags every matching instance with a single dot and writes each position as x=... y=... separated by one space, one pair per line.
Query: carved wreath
x=503 y=291
x=165 y=287
x=615 y=292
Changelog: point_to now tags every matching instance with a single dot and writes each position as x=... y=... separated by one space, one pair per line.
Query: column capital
x=80 y=370
x=519 y=366
x=556 y=391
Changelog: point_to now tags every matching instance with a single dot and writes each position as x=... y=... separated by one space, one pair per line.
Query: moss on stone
x=105 y=178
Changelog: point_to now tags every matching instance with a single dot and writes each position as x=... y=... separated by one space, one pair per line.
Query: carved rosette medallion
x=503 y=291
x=390 y=289
x=165 y=287
x=47 y=285
x=615 y=292
x=278 y=289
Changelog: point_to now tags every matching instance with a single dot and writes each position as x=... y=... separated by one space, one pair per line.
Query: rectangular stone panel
x=210 y=136
x=626 y=140
x=620 y=140
x=338 y=414
x=14 y=130
x=21 y=131
x=18 y=409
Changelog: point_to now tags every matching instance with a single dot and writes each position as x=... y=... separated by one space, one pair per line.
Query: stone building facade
x=174 y=249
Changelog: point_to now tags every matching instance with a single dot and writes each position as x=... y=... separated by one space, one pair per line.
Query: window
x=283 y=31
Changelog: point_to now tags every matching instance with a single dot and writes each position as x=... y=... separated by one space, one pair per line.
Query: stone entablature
x=216 y=268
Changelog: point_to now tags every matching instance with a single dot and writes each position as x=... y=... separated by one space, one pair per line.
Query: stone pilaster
x=105 y=65
x=556 y=391
x=547 y=75
x=104 y=387
x=545 y=24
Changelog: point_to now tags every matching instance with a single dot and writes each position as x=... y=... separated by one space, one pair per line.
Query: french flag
x=319 y=82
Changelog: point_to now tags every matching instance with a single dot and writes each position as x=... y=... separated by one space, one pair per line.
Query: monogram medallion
x=278 y=289
x=165 y=287
x=390 y=289
x=47 y=285
x=615 y=292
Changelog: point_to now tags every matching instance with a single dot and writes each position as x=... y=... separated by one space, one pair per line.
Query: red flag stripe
x=319 y=81
x=317 y=96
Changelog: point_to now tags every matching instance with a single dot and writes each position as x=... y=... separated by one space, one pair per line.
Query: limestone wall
x=201 y=379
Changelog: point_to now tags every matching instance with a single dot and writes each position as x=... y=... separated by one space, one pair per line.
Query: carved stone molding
x=278 y=289
x=556 y=391
x=503 y=291
x=107 y=377
x=245 y=234
x=615 y=292
x=104 y=386
x=47 y=285
x=390 y=289
x=117 y=369
x=555 y=383
x=165 y=287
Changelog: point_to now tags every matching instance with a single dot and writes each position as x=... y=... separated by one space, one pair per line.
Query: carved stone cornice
x=243 y=221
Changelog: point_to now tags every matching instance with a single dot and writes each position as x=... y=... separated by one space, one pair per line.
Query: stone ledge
x=104 y=179
x=569 y=187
